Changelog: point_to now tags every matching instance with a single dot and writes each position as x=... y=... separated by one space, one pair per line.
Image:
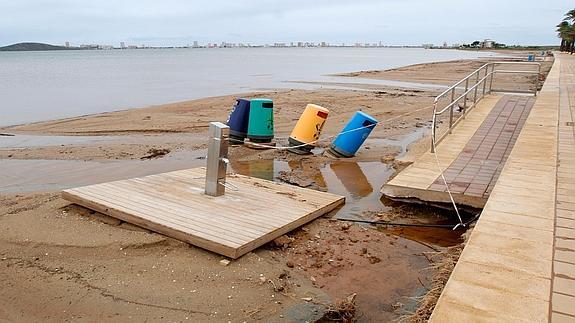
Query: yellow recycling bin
x=308 y=129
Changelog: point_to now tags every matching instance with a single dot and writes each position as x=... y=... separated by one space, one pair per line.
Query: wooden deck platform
x=174 y=204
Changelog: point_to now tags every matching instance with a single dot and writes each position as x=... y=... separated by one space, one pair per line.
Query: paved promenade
x=472 y=157
x=477 y=167
x=519 y=262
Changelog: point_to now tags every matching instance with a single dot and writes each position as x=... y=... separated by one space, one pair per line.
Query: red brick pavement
x=476 y=170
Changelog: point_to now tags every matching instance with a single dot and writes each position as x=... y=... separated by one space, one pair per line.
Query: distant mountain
x=33 y=46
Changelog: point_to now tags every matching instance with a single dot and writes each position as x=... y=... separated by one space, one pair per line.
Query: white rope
x=461 y=223
x=447 y=186
x=311 y=142
x=230 y=186
x=341 y=133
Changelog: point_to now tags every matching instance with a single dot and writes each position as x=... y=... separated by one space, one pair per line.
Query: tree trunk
x=562 y=47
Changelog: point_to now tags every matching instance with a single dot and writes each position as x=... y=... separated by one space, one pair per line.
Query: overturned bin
x=353 y=135
x=308 y=129
x=238 y=121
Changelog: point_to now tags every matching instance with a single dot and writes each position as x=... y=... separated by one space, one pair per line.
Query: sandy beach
x=184 y=120
x=447 y=73
x=61 y=262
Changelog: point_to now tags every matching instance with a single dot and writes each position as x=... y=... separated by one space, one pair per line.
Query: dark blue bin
x=353 y=135
x=238 y=120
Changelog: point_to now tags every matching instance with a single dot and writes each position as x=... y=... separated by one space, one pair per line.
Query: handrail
x=463 y=95
x=460 y=81
x=487 y=77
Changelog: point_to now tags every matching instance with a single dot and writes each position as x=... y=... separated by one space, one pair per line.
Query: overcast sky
x=180 y=22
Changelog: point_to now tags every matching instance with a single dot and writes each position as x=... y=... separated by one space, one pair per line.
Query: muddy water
x=52 y=175
x=359 y=182
x=16 y=141
x=22 y=141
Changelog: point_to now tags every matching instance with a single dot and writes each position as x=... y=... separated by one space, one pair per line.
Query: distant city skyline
x=180 y=22
x=197 y=44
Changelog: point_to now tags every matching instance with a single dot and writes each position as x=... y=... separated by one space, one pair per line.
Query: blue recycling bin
x=353 y=135
x=238 y=120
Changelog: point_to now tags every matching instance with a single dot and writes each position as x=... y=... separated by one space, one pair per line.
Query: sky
x=180 y=22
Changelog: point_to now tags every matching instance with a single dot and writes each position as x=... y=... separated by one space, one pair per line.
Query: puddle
x=268 y=169
x=355 y=83
x=22 y=141
x=52 y=175
x=359 y=183
x=17 y=141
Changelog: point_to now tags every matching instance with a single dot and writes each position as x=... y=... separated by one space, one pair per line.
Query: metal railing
x=479 y=79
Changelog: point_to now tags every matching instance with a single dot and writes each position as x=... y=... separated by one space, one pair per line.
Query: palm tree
x=562 y=29
x=569 y=30
x=566 y=31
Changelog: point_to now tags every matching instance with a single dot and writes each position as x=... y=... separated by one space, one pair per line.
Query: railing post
x=491 y=78
x=451 y=109
x=485 y=80
x=475 y=91
x=450 y=119
x=433 y=120
x=465 y=96
x=537 y=80
x=217 y=159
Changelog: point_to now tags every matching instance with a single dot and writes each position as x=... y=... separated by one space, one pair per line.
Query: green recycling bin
x=261 y=121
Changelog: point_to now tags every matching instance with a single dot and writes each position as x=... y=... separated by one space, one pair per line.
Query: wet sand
x=444 y=73
x=183 y=125
x=83 y=265
x=447 y=73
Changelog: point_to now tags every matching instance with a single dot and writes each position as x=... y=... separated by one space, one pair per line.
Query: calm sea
x=37 y=86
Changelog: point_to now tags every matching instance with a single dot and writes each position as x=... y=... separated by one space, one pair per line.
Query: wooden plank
x=129 y=208
x=173 y=204
x=287 y=228
x=169 y=203
x=153 y=226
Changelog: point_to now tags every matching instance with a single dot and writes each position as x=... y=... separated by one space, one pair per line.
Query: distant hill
x=32 y=47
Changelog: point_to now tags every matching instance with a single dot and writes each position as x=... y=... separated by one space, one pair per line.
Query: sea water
x=45 y=85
